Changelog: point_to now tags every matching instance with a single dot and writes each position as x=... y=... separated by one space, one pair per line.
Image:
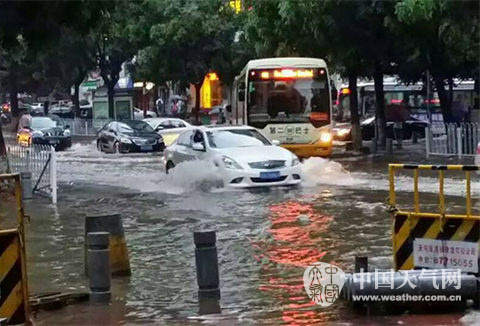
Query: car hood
x=53 y=131
x=140 y=135
x=256 y=153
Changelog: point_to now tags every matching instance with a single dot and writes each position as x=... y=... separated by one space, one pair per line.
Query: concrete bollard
x=26 y=180
x=206 y=261
x=119 y=261
x=99 y=266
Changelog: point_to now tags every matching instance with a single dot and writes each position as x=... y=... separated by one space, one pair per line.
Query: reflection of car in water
x=45 y=130
x=242 y=156
x=129 y=136
x=168 y=128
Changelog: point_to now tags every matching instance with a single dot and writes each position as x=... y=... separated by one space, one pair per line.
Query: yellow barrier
x=441 y=231
x=14 y=303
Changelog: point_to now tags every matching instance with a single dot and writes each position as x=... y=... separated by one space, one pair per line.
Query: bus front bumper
x=309 y=150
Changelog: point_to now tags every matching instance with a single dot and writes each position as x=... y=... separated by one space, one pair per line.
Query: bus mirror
x=241 y=95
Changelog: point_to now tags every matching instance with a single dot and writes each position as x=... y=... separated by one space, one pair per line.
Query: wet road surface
x=265 y=238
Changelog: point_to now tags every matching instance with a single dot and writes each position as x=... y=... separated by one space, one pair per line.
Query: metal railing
x=413 y=228
x=452 y=139
x=40 y=160
x=441 y=186
x=85 y=127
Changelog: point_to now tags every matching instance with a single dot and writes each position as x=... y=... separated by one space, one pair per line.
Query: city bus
x=412 y=96
x=289 y=101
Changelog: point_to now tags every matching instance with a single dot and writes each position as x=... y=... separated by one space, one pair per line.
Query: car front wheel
x=169 y=166
x=99 y=146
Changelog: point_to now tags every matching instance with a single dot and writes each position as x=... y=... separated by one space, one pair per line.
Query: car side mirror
x=159 y=128
x=198 y=147
x=275 y=142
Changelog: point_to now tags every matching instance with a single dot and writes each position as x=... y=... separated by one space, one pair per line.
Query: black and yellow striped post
x=119 y=261
x=411 y=225
x=14 y=303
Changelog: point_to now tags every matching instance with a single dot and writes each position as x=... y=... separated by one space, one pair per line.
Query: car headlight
x=37 y=133
x=325 y=137
x=295 y=161
x=230 y=163
x=66 y=132
x=125 y=140
x=343 y=132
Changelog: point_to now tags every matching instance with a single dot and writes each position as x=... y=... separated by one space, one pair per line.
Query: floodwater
x=265 y=238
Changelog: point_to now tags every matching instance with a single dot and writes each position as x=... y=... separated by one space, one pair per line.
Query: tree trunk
x=76 y=99
x=4 y=166
x=13 y=90
x=3 y=149
x=450 y=91
x=198 y=87
x=356 y=132
x=443 y=96
x=111 y=93
x=380 y=123
x=476 y=88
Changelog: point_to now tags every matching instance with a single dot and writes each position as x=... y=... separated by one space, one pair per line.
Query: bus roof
x=295 y=62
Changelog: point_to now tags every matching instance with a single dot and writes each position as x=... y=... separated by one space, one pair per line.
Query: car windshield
x=134 y=126
x=236 y=138
x=43 y=123
x=287 y=100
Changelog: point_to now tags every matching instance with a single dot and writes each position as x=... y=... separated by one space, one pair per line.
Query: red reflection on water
x=298 y=232
x=296 y=228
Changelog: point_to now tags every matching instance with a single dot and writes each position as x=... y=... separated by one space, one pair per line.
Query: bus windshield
x=287 y=100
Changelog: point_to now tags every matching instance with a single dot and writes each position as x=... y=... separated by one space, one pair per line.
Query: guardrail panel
x=439 y=229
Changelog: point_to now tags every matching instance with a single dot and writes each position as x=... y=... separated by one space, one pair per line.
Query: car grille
x=259 y=180
x=266 y=165
x=144 y=141
x=53 y=133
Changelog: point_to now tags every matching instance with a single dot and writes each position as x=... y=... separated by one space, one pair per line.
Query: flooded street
x=265 y=238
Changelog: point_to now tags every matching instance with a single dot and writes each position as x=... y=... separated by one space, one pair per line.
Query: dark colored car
x=342 y=131
x=409 y=126
x=129 y=136
x=48 y=130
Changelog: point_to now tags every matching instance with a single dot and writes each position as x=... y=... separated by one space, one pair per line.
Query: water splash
x=190 y=176
x=317 y=171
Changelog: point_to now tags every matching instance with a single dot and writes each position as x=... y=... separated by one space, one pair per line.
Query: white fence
x=85 y=127
x=41 y=161
x=452 y=139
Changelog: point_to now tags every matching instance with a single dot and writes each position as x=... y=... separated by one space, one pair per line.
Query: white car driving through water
x=242 y=156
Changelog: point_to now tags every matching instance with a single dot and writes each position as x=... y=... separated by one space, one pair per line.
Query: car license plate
x=54 y=141
x=146 y=147
x=269 y=175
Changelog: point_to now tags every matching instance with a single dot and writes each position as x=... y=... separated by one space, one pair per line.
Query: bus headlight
x=325 y=137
